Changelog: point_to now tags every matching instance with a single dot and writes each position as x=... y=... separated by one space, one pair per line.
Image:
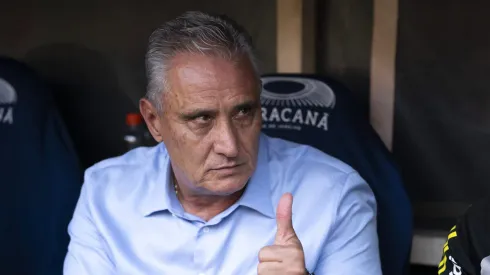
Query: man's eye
x=202 y=119
x=244 y=111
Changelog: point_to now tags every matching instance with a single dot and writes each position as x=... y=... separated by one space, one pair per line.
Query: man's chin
x=227 y=187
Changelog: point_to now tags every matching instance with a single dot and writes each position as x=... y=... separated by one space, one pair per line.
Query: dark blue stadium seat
x=40 y=177
x=320 y=112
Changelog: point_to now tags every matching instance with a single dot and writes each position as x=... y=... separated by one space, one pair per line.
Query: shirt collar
x=159 y=193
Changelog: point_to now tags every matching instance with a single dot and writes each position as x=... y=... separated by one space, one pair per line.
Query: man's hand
x=285 y=256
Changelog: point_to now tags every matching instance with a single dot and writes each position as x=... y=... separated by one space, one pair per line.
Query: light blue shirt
x=128 y=219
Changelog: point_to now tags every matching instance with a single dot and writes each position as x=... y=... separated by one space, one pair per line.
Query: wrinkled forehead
x=190 y=74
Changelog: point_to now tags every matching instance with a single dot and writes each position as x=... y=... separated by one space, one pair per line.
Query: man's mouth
x=227 y=167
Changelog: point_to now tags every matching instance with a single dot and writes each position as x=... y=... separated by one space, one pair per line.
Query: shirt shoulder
x=312 y=176
x=123 y=173
x=293 y=154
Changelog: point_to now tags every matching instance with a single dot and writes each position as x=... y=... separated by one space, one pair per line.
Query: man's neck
x=204 y=206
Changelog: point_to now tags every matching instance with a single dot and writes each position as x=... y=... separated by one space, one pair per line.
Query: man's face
x=211 y=122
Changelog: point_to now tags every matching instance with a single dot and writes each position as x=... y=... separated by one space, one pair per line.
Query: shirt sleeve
x=352 y=248
x=454 y=258
x=86 y=252
x=467 y=248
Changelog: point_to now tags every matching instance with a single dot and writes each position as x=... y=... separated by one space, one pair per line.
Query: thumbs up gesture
x=285 y=256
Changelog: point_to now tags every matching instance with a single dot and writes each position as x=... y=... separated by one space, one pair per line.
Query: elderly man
x=216 y=195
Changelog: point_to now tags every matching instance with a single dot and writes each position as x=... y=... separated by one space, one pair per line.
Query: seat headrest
x=294 y=102
x=8 y=95
x=23 y=94
x=293 y=90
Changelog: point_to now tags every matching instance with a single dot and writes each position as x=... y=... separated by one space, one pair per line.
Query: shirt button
x=173 y=215
x=205 y=230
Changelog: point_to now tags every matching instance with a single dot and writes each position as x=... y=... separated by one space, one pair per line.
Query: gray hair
x=193 y=32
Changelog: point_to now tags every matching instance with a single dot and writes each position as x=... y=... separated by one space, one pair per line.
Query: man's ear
x=152 y=119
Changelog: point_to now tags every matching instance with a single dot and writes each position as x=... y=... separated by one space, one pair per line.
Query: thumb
x=284 y=213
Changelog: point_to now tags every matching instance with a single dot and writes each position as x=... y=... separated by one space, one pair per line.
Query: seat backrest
x=320 y=112
x=40 y=177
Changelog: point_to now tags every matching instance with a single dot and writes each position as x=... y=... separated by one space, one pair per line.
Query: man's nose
x=226 y=142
